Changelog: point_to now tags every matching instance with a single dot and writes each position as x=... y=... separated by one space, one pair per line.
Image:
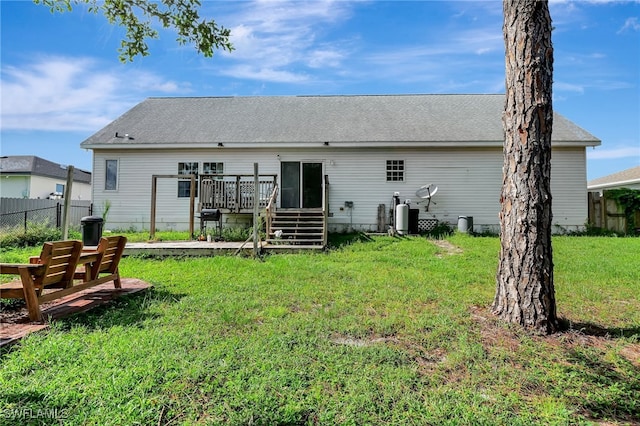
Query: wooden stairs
x=298 y=227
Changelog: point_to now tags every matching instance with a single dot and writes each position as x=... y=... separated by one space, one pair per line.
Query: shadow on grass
x=609 y=387
x=340 y=240
x=127 y=311
x=596 y=330
x=609 y=390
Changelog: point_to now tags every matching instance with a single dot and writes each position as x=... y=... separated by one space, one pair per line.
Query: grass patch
x=35 y=234
x=378 y=331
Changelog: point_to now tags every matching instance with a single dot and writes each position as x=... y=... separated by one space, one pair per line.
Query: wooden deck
x=206 y=249
x=16 y=325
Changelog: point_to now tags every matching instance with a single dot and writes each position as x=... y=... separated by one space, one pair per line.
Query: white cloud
x=614 y=153
x=479 y=41
x=273 y=41
x=73 y=94
x=449 y=65
x=250 y=72
x=631 y=24
x=325 y=57
x=567 y=87
x=296 y=43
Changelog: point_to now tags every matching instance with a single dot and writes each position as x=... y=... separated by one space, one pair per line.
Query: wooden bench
x=54 y=268
x=110 y=249
x=59 y=264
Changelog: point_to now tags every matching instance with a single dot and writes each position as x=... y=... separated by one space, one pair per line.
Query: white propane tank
x=402 y=219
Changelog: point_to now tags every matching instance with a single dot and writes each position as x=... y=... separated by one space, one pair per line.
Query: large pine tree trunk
x=524 y=290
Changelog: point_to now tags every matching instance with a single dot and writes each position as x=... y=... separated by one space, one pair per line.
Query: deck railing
x=235 y=193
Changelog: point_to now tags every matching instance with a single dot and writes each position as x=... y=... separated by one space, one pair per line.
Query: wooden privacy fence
x=607 y=213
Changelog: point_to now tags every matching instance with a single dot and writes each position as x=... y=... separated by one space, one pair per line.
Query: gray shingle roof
x=36 y=166
x=314 y=119
x=626 y=176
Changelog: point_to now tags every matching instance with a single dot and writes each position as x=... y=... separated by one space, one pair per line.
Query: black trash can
x=91 y=230
x=414 y=215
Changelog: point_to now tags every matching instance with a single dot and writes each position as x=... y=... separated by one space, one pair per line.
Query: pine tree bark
x=524 y=286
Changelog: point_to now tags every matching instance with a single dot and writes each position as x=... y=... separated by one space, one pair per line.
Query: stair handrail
x=271 y=207
x=325 y=211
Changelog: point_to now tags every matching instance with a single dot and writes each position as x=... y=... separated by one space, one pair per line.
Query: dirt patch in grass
x=427 y=361
x=632 y=353
x=494 y=332
x=447 y=247
x=352 y=341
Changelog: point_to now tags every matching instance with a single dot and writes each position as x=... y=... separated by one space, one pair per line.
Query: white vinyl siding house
x=469 y=187
x=29 y=176
x=365 y=159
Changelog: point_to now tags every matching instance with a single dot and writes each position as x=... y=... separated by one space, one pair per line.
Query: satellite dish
x=427 y=191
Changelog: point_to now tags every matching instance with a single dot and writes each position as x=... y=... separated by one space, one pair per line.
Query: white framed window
x=111 y=175
x=184 y=186
x=395 y=170
x=212 y=168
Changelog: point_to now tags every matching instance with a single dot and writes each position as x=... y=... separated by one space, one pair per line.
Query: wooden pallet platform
x=18 y=326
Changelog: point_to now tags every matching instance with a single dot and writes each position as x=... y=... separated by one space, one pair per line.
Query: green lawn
x=389 y=331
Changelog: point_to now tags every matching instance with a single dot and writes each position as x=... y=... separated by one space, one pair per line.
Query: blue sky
x=62 y=80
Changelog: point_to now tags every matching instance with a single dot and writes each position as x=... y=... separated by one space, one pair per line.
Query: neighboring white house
x=629 y=178
x=365 y=147
x=28 y=176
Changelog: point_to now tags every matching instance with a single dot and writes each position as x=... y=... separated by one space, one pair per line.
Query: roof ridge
x=353 y=95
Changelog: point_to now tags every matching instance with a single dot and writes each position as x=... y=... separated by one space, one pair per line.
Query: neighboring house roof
x=619 y=179
x=36 y=166
x=369 y=120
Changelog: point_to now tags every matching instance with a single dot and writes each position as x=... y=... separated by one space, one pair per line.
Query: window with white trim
x=111 y=175
x=395 y=170
x=212 y=168
x=184 y=186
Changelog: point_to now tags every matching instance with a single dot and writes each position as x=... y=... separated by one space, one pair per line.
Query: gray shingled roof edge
x=627 y=176
x=37 y=166
x=360 y=120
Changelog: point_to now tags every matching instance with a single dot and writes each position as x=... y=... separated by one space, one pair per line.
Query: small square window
x=395 y=170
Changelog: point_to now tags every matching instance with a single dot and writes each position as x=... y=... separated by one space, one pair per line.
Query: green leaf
x=140 y=18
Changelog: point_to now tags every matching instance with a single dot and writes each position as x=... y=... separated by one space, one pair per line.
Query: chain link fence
x=22 y=213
